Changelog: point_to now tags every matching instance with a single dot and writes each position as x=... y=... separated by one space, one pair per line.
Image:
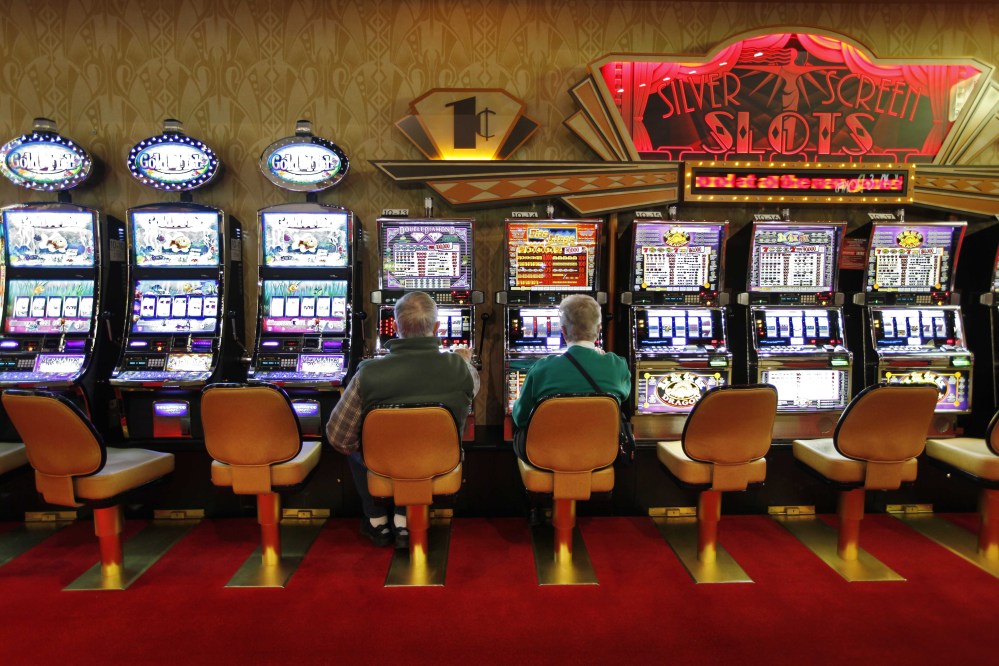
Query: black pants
x=371 y=508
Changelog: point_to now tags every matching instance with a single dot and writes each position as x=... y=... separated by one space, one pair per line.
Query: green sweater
x=414 y=371
x=554 y=374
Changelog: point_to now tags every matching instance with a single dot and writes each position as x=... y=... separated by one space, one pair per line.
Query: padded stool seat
x=538 y=480
x=12 y=456
x=697 y=473
x=822 y=456
x=448 y=483
x=125 y=469
x=289 y=473
x=970 y=455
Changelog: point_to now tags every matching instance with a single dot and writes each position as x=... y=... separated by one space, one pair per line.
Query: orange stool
x=722 y=448
x=73 y=468
x=572 y=442
x=413 y=455
x=253 y=436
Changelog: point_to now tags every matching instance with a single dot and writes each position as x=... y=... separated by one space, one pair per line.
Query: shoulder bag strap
x=585 y=374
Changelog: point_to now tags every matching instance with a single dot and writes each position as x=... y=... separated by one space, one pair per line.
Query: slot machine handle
x=106 y=318
x=235 y=336
x=485 y=317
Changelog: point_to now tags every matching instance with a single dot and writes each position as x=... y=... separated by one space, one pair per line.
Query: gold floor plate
x=140 y=552
x=404 y=573
x=681 y=535
x=296 y=538
x=951 y=536
x=25 y=537
x=578 y=571
x=821 y=539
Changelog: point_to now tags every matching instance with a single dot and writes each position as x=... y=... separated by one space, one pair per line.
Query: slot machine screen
x=786 y=327
x=916 y=329
x=425 y=255
x=952 y=386
x=453 y=326
x=175 y=306
x=175 y=238
x=678 y=327
x=912 y=258
x=49 y=238
x=552 y=256
x=535 y=330
x=672 y=391
x=304 y=306
x=49 y=306
x=306 y=239
x=804 y=390
x=677 y=257
x=794 y=257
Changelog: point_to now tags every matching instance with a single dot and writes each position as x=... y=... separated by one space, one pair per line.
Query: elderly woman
x=580 y=316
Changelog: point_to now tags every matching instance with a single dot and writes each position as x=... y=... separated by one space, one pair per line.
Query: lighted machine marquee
x=307 y=340
x=61 y=277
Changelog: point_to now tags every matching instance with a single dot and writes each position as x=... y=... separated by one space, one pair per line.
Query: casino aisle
x=646 y=607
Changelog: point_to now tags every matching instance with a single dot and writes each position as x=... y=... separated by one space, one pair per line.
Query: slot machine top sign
x=44 y=160
x=304 y=163
x=172 y=161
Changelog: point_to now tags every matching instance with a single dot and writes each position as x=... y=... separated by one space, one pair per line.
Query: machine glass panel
x=673 y=391
x=304 y=306
x=552 y=256
x=676 y=257
x=49 y=306
x=175 y=306
x=906 y=258
x=806 y=390
x=917 y=330
x=794 y=257
x=49 y=239
x=306 y=239
x=790 y=331
x=175 y=238
x=535 y=331
x=429 y=256
x=677 y=330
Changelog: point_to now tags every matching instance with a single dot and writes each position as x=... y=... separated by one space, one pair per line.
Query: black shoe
x=535 y=517
x=402 y=538
x=380 y=536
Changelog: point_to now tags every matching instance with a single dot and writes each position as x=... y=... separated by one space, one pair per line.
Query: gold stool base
x=430 y=570
x=576 y=571
x=953 y=537
x=297 y=536
x=140 y=552
x=823 y=540
x=681 y=535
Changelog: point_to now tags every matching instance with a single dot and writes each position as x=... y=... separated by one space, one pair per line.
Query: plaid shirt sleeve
x=343 y=431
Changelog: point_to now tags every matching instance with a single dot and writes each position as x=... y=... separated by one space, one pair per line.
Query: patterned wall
x=238 y=73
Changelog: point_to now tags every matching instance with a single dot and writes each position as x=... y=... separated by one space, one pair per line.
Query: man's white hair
x=580 y=316
x=415 y=315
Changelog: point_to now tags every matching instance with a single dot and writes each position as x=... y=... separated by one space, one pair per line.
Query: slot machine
x=794 y=324
x=914 y=331
x=61 y=278
x=184 y=325
x=677 y=321
x=308 y=281
x=990 y=300
x=546 y=260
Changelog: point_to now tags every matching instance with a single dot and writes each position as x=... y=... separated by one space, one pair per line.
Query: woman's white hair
x=580 y=316
x=415 y=315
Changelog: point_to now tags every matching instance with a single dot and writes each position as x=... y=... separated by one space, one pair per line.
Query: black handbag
x=626 y=434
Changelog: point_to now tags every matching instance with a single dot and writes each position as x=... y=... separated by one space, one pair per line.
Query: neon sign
x=783 y=96
x=44 y=160
x=172 y=161
x=304 y=163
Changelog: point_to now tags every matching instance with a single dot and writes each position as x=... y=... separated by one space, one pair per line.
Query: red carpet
x=646 y=608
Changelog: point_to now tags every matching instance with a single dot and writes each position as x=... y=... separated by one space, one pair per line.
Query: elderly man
x=580 y=316
x=414 y=371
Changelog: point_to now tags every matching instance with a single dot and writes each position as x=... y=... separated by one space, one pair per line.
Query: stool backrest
x=731 y=424
x=886 y=423
x=992 y=434
x=251 y=425
x=410 y=442
x=60 y=440
x=574 y=432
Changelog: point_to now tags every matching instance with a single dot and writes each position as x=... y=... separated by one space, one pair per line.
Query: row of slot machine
x=788 y=326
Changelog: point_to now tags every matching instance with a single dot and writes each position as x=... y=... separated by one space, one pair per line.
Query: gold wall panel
x=239 y=73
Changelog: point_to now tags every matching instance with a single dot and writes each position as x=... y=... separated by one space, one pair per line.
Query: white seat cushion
x=967 y=454
x=12 y=456
x=688 y=470
x=822 y=456
x=125 y=470
x=289 y=473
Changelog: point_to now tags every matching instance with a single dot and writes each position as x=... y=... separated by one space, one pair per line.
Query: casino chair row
x=414 y=457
